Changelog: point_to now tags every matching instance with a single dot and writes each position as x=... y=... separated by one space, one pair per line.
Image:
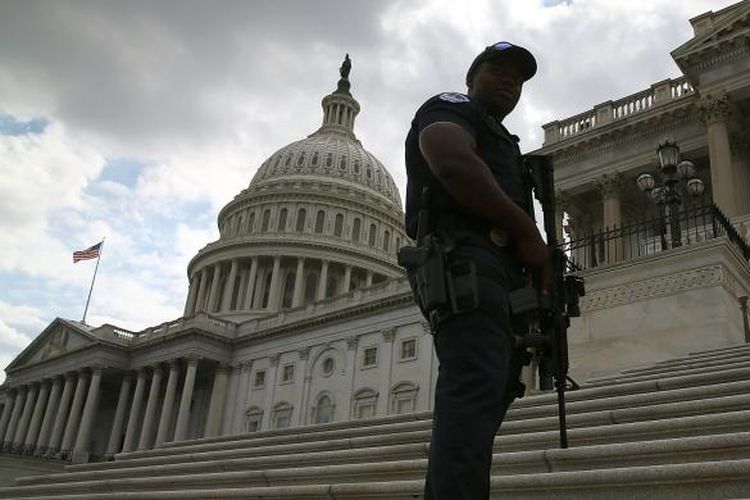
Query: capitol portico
x=299 y=314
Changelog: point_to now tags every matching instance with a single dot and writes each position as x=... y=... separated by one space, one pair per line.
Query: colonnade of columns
x=261 y=283
x=55 y=417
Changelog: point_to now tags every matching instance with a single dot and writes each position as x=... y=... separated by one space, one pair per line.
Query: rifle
x=545 y=319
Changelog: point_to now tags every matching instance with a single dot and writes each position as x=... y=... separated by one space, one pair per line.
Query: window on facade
x=324 y=410
x=329 y=160
x=253 y=418
x=386 y=240
x=266 y=291
x=281 y=226
x=282 y=416
x=365 y=403
x=327 y=366
x=311 y=288
x=338 y=226
x=332 y=286
x=368 y=172
x=288 y=160
x=266 y=220
x=315 y=158
x=239 y=224
x=342 y=163
x=288 y=297
x=259 y=381
x=404 y=398
x=287 y=375
x=301 y=214
x=356 y=166
x=251 y=223
x=409 y=349
x=319 y=221
x=356 y=228
x=301 y=159
x=373 y=233
x=370 y=357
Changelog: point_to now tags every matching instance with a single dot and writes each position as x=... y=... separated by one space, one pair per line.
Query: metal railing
x=652 y=236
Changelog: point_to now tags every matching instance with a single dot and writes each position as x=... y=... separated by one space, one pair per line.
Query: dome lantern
x=340 y=108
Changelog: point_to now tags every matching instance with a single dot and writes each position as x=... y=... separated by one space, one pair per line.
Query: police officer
x=458 y=147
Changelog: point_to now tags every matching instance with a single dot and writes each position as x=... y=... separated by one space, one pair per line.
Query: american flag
x=90 y=253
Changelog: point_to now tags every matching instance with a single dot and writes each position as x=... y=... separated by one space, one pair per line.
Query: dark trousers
x=470 y=402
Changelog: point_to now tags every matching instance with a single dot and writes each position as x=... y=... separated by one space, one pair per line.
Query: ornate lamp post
x=670 y=194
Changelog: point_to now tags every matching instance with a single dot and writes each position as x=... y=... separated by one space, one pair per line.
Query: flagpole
x=88 y=299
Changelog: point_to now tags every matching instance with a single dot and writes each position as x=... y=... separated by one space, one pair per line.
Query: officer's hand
x=532 y=253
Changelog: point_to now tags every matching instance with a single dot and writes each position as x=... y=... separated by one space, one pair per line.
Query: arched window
x=267 y=290
x=338 y=226
x=251 y=223
x=356 y=229
x=282 y=415
x=404 y=398
x=281 y=226
x=288 y=160
x=266 y=220
x=253 y=417
x=373 y=233
x=365 y=402
x=356 y=166
x=319 y=220
x=332 y=286
x=239 y=224
x=342 y=163
x=323 y=410
x=329 y=160
x=301 y=214
x=386 y=240
x=288 y=290
x=311 y=288
x=315 y=158
x=301 y=159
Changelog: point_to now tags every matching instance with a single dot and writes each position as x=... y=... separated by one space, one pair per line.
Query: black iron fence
x=651 y=236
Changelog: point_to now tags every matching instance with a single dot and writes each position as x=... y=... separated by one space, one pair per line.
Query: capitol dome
x=321 y=217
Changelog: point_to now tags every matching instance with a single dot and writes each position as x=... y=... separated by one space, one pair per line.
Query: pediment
x=59 y=338
x=722 y=26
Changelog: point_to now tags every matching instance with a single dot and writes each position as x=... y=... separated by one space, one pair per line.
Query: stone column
x=385 y=370
x=149 y=419
x=347 y=279
x=113 y=445
x=300 y=385
x=192 y=292
x=74 y=419
x=62 y=413
x=368 y=282
x=7 y=411
x=714 y=111
x=242 y=289
x=10 y=432
x=42 y=443
x=351 y=361
x=36 y=417
x=213 y=296
x=183 y=414
x=323 y=281
x=243 y=392
x=226 y=302
x=609 y=185
x=82 y=448
x=135 y=412
x=299 y=283
x=218 y=396
x=251 y=279
x=274 y=295
x=201 y=300
x=23 y=423
x=270 y=391
x=167 y=408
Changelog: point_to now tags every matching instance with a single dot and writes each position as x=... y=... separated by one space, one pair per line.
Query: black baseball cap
x=502 y=50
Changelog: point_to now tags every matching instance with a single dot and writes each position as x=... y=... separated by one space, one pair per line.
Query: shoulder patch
x=453 y=97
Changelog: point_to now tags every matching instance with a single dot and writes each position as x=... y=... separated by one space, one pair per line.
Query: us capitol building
x=298 y=314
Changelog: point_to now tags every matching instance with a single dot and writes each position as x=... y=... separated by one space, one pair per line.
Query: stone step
x=619 y=379
x=418 y=431
x=590 y=399
x=299 y=471
x=716 y=360
x=704 y=480
x=680 y=369
x=736 y=347
x=736 y=421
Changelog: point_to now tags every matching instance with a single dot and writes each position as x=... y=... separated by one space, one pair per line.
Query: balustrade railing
x=651 y=236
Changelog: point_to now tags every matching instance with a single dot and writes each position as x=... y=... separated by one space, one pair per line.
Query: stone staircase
x=679 y=429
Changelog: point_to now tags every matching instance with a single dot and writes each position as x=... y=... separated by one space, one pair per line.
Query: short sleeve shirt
x=496 y=146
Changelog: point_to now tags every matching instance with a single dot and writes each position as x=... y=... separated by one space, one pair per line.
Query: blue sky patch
x=552 y=3
x=10 y=125
x=124 y=171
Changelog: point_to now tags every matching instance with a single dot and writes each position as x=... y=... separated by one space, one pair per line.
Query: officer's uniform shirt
x=495 y=145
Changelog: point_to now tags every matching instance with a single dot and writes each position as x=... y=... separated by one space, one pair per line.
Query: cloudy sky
x=138 y=120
